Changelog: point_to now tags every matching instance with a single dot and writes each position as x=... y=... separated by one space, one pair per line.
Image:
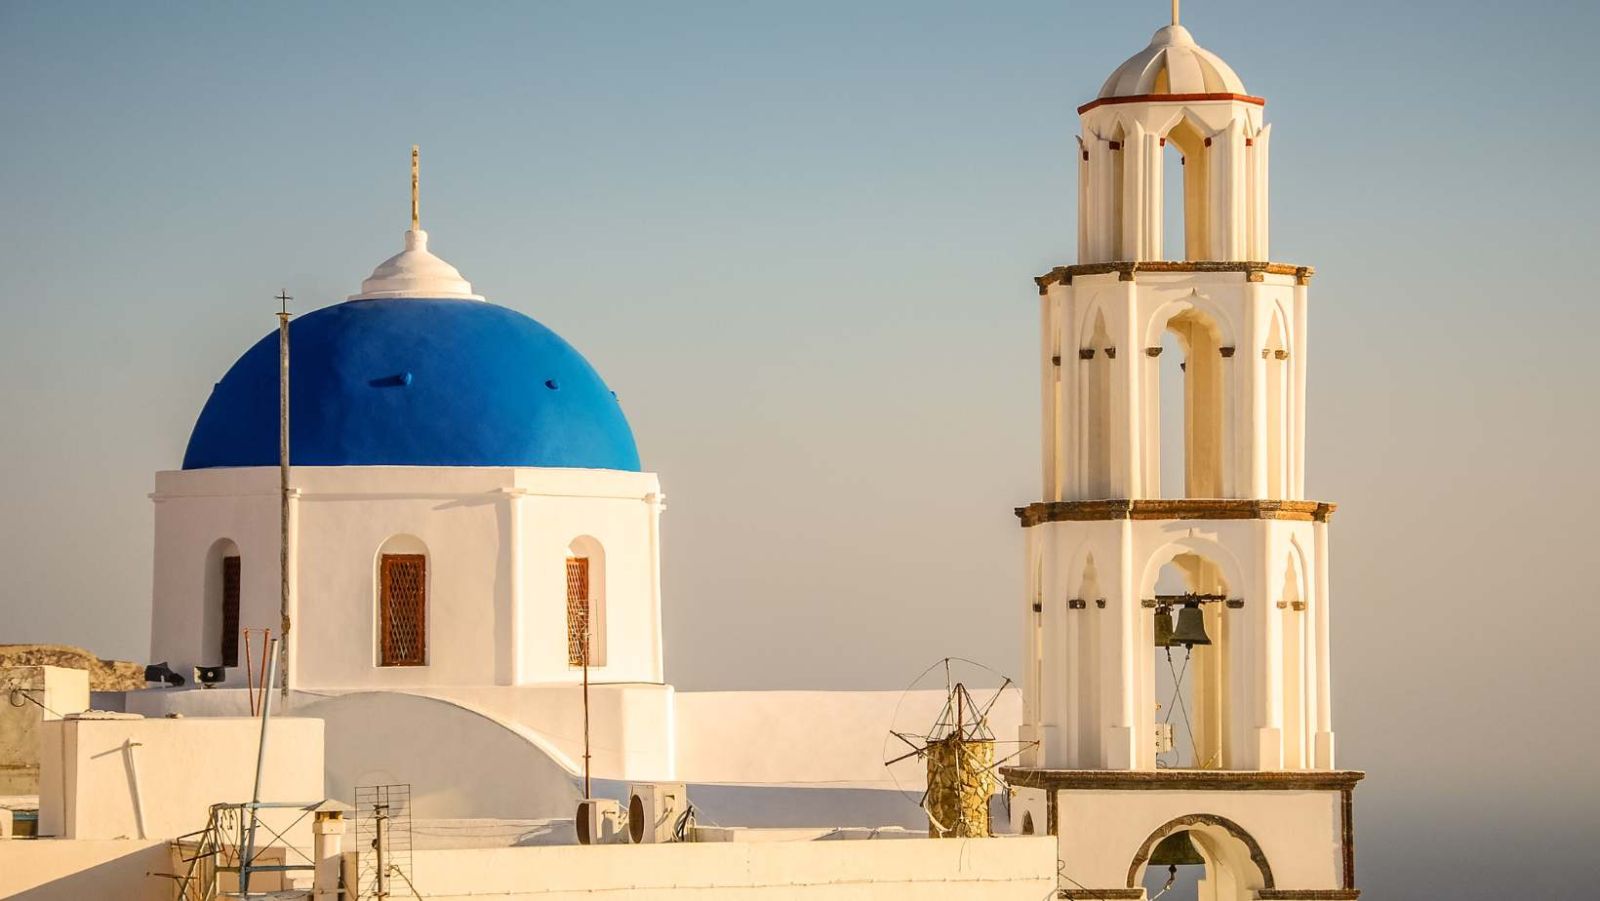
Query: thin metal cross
x=283 y=299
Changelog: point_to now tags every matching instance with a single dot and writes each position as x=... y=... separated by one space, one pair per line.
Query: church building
x=467 y=520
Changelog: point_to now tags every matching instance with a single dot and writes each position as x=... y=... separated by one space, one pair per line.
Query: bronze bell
x=1163 y=627
x=1191 y=629
x=1176 y=850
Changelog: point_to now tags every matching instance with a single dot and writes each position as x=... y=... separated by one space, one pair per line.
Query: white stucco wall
x=631 y=724
x=496 y=541
x=1298 y=831
x=997 y=869
x=106 y=870
x=824 y=738
x=140 y=778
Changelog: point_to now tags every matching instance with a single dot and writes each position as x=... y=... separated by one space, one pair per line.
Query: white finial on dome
x=415 y=272
x=1174 y=20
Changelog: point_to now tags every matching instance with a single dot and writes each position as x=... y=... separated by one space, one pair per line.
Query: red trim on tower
x=1170 y=98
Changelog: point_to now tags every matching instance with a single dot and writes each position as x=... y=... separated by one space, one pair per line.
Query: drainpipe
x=133 y=780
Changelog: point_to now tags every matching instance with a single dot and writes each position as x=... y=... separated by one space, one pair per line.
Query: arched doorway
x=1212 y=859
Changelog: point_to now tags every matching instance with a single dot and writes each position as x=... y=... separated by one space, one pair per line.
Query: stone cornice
x=1173 y=98
x=1182 y=780
x=1191 y=508
x=1128 y=270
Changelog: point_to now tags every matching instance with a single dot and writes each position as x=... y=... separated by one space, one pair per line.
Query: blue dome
x=416 y=382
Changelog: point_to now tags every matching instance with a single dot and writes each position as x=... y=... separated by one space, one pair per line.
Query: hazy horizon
x=798 y=241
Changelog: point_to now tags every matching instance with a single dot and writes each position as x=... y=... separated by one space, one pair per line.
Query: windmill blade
x=909 y=743
x=916 y=753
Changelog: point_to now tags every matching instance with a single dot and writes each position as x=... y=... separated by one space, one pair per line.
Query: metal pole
x=380 y=816
x=587 y=792
x=283 y=486
x=255 y=794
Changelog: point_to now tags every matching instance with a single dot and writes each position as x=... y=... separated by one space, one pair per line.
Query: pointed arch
x=1185 y=135
x=1193 y=449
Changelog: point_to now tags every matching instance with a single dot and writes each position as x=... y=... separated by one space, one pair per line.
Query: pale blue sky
x=797 y=240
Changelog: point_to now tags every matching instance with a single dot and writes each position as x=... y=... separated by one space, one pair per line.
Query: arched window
x=586 y=603
x=1188 y=683
x=402 y=601
x=1192 y=401
x=1184 y=189
x=220 y=618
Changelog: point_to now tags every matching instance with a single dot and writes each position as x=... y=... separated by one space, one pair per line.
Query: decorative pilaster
x=1323 y=754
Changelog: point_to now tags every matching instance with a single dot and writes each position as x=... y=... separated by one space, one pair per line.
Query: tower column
x=1253 y=388
x=1228 y=180
x=1127 y=471
x=1256 y=151
x=1118 y=632
x=1323 y=758
x=1068 y=375
x=1297 y=364
x=1267 y=634
x=1053 y=670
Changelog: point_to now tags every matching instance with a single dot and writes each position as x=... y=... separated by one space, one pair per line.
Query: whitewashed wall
x=496 y=541
x=994 y=869
x=137 y=778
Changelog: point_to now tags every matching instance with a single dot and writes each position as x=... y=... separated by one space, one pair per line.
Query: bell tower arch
x=1237 y=641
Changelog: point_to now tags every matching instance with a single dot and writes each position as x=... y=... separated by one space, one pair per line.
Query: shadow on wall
x=84 y=871
x=459 y=763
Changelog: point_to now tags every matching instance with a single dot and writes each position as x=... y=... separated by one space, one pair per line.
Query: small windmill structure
x=959 y=749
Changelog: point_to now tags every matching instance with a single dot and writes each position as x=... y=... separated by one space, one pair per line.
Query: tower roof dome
x=1172 y=64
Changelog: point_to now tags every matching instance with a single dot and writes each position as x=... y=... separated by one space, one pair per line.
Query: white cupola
x=1174 y=96
x=1172 y=64
x=415 y=272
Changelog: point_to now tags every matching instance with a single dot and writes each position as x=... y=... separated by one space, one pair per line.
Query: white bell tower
x=1227 y=736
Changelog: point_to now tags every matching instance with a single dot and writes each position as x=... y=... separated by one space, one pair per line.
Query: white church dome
x=1172 y=64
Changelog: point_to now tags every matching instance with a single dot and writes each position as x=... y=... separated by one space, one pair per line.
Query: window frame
x=386 y=613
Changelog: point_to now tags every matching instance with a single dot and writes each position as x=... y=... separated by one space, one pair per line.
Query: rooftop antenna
x=416 y=180
x=283 y=299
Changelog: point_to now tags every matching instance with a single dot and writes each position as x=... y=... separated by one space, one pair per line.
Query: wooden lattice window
x=230 y=611
x=403 y=610
x=579 y=639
